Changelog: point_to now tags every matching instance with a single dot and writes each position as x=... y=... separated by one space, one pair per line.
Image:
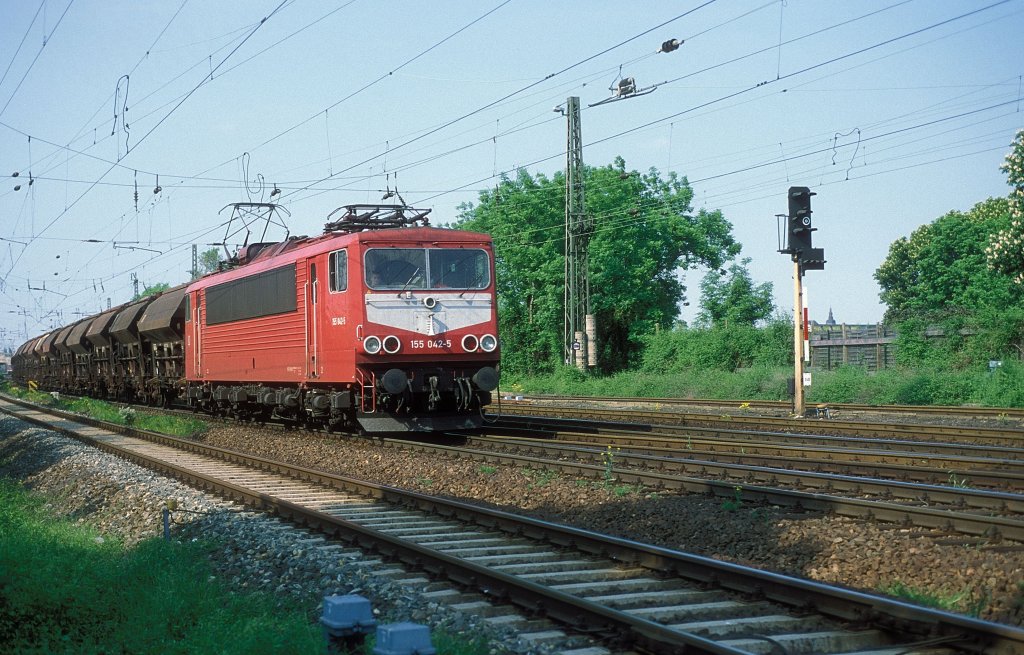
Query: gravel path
x=985 y=579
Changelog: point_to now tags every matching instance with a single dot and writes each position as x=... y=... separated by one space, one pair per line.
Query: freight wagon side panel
x=253 y=329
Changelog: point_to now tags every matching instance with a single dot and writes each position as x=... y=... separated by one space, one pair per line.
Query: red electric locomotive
x=382 y=324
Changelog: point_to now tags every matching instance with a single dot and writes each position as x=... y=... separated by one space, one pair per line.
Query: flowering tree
x=1005 y=252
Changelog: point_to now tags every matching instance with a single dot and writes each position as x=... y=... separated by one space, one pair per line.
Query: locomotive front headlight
x=371 y=345
x=391 y=344
x=488 y=342
x=470 y=343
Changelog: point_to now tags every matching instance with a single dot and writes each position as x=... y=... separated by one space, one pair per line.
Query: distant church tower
x=831 y=319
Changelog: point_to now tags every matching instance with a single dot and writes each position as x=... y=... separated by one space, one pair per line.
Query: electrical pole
x=579 y=324
x=195 y=261
x=798 y=340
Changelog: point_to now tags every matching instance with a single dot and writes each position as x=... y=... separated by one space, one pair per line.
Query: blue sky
x=893 y=111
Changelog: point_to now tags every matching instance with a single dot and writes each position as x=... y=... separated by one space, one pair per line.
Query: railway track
x=1009 y=436
x=782 y=474
x=944 y=510
x=785 y=406
x=971 y=466
x=628 y=594
x=976 y=496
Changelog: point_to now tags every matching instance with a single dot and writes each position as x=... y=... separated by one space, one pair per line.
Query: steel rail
x=918 y=432
x=638 y=434
x=677 y=455
x=786 y=405
x=970 y=635
x=990 y=527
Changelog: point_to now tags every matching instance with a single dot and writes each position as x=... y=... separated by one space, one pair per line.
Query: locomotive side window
x=430 y=268
x=459 y=268
x=338 y=264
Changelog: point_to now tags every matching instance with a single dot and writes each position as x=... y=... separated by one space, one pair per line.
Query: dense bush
x=850 y=384
x=755 y=364
x=721 y=348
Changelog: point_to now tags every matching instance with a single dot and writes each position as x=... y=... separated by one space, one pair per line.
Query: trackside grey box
x=349 y=615
x=403 y=639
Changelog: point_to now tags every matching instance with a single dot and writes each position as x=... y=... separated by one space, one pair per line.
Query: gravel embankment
x=828 y=549
x=258 y=552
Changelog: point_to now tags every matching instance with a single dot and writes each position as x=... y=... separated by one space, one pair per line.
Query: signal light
x=800 y=224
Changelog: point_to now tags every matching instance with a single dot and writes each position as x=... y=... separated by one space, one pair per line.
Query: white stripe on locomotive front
x=409 y=313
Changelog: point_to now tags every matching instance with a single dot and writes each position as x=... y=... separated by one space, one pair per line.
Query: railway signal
x=799 y=232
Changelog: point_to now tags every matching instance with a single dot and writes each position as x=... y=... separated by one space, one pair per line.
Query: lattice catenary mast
x=579 y=326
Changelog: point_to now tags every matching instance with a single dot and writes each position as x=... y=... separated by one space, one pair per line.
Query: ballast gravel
x=257 y=552
x=987 y=579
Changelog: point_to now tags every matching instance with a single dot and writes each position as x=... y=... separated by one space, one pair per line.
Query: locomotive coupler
x=435 y=395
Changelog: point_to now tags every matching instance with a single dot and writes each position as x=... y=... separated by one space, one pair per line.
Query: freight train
x=381 y=324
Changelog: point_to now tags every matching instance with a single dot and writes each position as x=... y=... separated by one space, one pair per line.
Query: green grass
x=964 y=602
x=539 y=477
x=120 y=414
x=37 y=397
x=63 y=590
x=1004 y=388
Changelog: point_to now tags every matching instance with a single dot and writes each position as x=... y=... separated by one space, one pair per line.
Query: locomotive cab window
x=396 y=268
x=459 y=268
x=338 y=264
x=413 y=269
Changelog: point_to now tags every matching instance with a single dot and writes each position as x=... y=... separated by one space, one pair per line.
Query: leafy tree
x=730 y=298
x=209 y=261
x=522 y=215
x=1006 y=250
x=940 y=277
x=645 y=231
x=941 y=271
x=152 y=290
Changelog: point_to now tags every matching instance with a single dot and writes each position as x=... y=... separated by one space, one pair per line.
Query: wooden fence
x=871 y=346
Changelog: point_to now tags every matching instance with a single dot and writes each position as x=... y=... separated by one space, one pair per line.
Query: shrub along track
x=641 y=595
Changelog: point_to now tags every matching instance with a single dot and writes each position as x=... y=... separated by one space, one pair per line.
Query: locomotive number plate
x=430 y=343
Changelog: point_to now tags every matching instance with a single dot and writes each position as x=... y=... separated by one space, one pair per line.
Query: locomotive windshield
x=426 y=268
